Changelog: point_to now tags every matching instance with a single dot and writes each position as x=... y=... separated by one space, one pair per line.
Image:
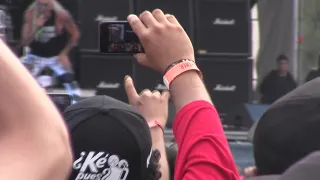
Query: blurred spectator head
x=288 y=130
x=110 y=141
x=282 y=61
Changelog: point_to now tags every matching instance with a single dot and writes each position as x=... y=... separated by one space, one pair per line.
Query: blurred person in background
x=314 y=73
x=50 y=33
x=278 y=82
x=286 y=133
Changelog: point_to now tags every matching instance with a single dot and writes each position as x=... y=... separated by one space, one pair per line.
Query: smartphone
x=117 y=37
x=62 y=101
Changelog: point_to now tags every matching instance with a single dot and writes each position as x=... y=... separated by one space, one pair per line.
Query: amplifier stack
x=219 y=29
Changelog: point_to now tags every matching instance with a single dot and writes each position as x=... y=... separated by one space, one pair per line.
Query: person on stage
x=50 y=33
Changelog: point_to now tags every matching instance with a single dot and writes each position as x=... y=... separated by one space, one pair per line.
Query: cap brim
x=270 y=177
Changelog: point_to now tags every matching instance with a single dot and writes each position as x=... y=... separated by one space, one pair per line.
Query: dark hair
x=282 y=57
x=154 y=166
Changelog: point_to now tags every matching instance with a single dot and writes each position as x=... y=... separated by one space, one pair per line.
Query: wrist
x=178 y=68
x=157 y=136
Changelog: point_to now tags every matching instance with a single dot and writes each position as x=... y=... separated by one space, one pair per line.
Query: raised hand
x=163 y=38
x=40 y=21
x=152 y=105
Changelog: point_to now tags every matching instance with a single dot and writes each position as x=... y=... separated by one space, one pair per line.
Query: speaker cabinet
x=146 y=78
x=229 y=81
x=223 y=27
x=244 y=116
x=105 y=73
x=181 y=9
x=92 y=12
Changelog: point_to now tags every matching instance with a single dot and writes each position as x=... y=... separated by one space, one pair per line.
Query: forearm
x=186 y=88
x=73 y=41
x=70 y=45
x=159 y=144
x=28 y=36
x=33 y=134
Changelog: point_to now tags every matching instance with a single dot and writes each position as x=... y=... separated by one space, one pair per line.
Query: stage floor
x=84 y=92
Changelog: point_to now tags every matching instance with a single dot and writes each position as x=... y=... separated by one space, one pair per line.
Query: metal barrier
x=231 y=135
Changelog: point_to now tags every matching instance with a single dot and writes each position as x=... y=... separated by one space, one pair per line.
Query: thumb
x=142 y=59
x=165 y=95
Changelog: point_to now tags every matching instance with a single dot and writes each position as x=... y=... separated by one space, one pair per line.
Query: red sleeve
x=203 y=152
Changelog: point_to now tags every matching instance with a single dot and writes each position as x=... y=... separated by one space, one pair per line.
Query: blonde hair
x=56 y=6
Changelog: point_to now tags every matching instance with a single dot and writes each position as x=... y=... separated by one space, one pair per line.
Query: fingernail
x=131 y=17
x=126 y=77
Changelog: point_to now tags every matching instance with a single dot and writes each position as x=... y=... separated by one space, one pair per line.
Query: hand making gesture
x=152 y=105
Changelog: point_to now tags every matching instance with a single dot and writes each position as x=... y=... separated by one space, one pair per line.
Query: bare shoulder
x=64 y=15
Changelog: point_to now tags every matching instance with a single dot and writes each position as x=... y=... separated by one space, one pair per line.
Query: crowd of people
x=101 y=138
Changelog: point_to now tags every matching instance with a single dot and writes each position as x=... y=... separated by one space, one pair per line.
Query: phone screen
x=118 y=37
x=62 y=101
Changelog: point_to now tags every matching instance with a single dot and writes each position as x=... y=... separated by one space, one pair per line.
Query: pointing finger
x=130 y=90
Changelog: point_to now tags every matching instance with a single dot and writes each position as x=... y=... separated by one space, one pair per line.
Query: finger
x=159 y=16
x=142 y=59
x=156 y=93
x=172 y=19
x=145 y=92
x=165 y=95
x=130 y=90
x=136 y=24
x=148 y=20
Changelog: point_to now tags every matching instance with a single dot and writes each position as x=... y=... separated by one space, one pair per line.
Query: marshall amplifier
x=146 y=78
x=229 y=81
x=105 y=73
x=223 y=27
x=91 y=12
x=181 y=9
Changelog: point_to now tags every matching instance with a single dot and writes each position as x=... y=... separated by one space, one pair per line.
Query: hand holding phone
x=117 y=37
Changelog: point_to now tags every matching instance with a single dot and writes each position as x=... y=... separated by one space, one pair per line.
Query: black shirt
x=275 y=86
x=48 y=41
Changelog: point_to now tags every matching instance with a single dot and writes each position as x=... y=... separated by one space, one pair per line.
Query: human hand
x=40 y=21
x=152 y=105
x=250 y=171
x=163 y=38
x=64 y=59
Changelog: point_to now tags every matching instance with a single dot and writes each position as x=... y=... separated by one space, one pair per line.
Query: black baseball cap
x=288 y=130
x=110 y=140
x=305 y=169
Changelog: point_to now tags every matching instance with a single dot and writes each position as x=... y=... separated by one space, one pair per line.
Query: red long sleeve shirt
x=204 y=153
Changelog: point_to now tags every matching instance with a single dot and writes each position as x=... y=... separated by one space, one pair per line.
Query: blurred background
x=236 y=43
